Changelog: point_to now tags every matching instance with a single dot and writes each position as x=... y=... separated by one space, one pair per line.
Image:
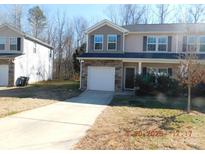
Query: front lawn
x=14 y=100
x=147 y=123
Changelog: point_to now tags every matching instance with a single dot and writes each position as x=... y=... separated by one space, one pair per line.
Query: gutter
x=145 y=60
x=38 y=41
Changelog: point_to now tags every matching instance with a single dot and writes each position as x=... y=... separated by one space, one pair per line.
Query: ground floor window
x=157 y=71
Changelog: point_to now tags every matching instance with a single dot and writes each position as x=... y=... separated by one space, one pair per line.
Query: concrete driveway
x=56 y=126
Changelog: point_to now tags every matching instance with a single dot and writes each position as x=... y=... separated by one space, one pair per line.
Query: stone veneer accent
x=11 y=70
x=112 y=63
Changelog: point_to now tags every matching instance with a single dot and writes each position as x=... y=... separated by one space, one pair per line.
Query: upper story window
x=13 y=43
x=98 y=42
x=162 y=43
x=112 y=42
x=157 y=43
x=151 y=43
x=192 y=43
x=2 y=43
x=195 y=43
x=202 y=44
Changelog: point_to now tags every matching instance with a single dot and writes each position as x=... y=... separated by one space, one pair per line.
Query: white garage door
x=4 y=74
x=101 y=78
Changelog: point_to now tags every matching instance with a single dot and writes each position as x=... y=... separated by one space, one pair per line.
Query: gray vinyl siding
x=105 y=31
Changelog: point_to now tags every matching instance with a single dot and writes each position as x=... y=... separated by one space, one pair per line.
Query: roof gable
x=6 y=27
x=22 y=34
x=108 y=23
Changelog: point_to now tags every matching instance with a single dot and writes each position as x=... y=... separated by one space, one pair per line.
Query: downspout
x=123 y=43
x=87 y=43
x=81 y=69
x=52 y=64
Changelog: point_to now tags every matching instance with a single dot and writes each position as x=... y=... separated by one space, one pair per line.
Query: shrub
x=199 y=90
x=151 y=85
x=169 y=86
x=163 y=83
x=144 y=85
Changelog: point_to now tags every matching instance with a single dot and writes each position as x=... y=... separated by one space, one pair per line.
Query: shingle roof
x=166 y=27
x=136 y=55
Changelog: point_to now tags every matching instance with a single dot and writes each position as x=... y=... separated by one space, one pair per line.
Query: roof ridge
x=167 y=24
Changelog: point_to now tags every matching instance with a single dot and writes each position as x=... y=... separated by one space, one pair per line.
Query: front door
x=129 y=78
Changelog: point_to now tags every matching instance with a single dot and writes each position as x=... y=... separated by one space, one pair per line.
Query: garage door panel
x=101 y=78
x=4 y=72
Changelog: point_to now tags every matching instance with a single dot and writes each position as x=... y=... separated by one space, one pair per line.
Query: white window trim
x=13 y=44
x=157 y=43
x=135 y=70
x=98 y=42
x=4 y=44
x=197 y=43
x=157 y=68
x=115 y=35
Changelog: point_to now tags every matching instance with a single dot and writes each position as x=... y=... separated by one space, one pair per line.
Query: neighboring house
x=115 y=54
x=23 y=55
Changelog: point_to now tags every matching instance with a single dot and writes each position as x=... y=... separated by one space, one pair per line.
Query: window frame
x=4 y=43
x=115 y=35
x=13 y=44
x=98 y=42
x=151 y=43
x=158 y=68
x=199 y=44
x=157 y=42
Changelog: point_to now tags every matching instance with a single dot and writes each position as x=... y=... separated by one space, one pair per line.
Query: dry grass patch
x=14 y=100
x=9 y=106
x=124 y=125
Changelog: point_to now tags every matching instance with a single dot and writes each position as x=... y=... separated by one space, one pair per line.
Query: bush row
x=151 y=84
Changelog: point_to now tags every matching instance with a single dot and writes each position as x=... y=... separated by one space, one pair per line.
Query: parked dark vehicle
x=22 y=81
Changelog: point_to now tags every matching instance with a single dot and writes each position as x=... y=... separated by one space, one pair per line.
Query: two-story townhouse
x=115 y=54
x=23 y=55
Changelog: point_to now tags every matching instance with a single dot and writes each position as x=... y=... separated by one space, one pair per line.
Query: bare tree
x=112 y=13
x=190 y=73
x=16 y=15
x=80 y=24
x=162 y=12
x=3 y=17
x=59 y=46
x=69 y=49
x=181 y=14
x=146 y=15
x=127 y=14
x=196 y=12
x=131 y=14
